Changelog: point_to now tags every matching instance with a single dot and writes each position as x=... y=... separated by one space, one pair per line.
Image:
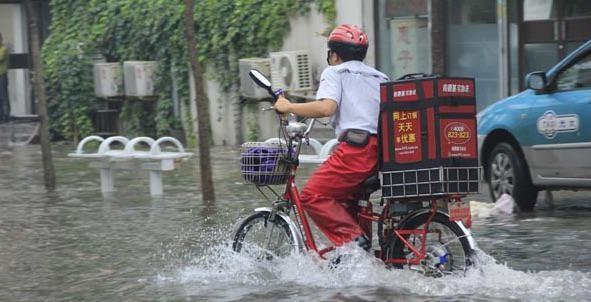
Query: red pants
x=335 y=184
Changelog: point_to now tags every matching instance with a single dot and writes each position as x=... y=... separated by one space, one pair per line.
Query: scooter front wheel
x=263 y=236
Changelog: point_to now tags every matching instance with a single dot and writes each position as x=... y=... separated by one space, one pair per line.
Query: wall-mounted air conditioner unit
x=108 y=80
x=139 y=78
x=291 y=70
x=248 y=88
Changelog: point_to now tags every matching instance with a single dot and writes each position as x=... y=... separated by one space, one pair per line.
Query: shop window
x=577 y=8
x=403 y=37
x=550 y=30
x=539 y=56
x=473 y=46
x=472 y=12
x=406 y=8
x=571 y=46
x=539 y=10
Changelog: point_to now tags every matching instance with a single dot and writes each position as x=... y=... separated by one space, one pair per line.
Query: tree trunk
x=39 y=86
x=237 y=102
x=202 y=112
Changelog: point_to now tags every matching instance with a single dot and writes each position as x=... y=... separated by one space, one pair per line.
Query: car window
x=576 y=76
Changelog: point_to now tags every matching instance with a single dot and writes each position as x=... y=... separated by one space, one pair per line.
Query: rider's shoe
x=362 y=241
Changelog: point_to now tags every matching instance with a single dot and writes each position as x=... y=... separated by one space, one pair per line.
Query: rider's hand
x=282 y=104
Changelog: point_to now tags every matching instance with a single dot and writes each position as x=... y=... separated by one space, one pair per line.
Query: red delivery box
x=428 y=142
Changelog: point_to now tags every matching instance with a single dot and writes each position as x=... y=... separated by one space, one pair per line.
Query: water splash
x=220 y=268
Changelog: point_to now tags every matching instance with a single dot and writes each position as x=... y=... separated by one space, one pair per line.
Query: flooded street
x=77 y=245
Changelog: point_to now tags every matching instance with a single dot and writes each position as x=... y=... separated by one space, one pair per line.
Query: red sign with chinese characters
x=458 y=138
x=405 y=92
x=455 y=87
x=407 y=136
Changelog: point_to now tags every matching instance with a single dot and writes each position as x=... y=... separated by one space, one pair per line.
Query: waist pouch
x=355 y=137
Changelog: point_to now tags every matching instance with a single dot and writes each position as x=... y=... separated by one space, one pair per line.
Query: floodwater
x=77 y=245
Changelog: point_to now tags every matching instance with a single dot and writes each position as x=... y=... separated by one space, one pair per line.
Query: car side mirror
x=536 y=80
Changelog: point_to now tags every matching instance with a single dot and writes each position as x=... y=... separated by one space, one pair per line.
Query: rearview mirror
x=260 y=79
x=536 y=80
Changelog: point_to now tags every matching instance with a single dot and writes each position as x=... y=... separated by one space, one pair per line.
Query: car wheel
x=507 y=173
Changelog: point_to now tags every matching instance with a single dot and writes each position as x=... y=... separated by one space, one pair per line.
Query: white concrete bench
x=322 y=152
x=155 y=160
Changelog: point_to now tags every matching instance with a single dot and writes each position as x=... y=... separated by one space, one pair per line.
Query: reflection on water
x=76 y=244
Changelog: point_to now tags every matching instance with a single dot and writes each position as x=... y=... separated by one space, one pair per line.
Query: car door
x=561 y=136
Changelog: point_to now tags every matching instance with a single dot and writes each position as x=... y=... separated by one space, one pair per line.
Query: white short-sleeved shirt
x=356 y=89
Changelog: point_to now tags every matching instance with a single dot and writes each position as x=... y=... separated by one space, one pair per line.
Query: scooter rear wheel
x=448 y=249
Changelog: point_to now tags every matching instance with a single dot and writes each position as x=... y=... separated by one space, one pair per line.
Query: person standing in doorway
x=4 y=101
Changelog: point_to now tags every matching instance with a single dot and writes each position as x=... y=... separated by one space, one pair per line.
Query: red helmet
x=349 y=34
x=349 y=42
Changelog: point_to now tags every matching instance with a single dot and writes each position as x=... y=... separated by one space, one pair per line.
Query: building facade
x=495 y=41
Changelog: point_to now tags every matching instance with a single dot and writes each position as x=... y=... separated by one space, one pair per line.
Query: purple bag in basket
x=259 y=165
